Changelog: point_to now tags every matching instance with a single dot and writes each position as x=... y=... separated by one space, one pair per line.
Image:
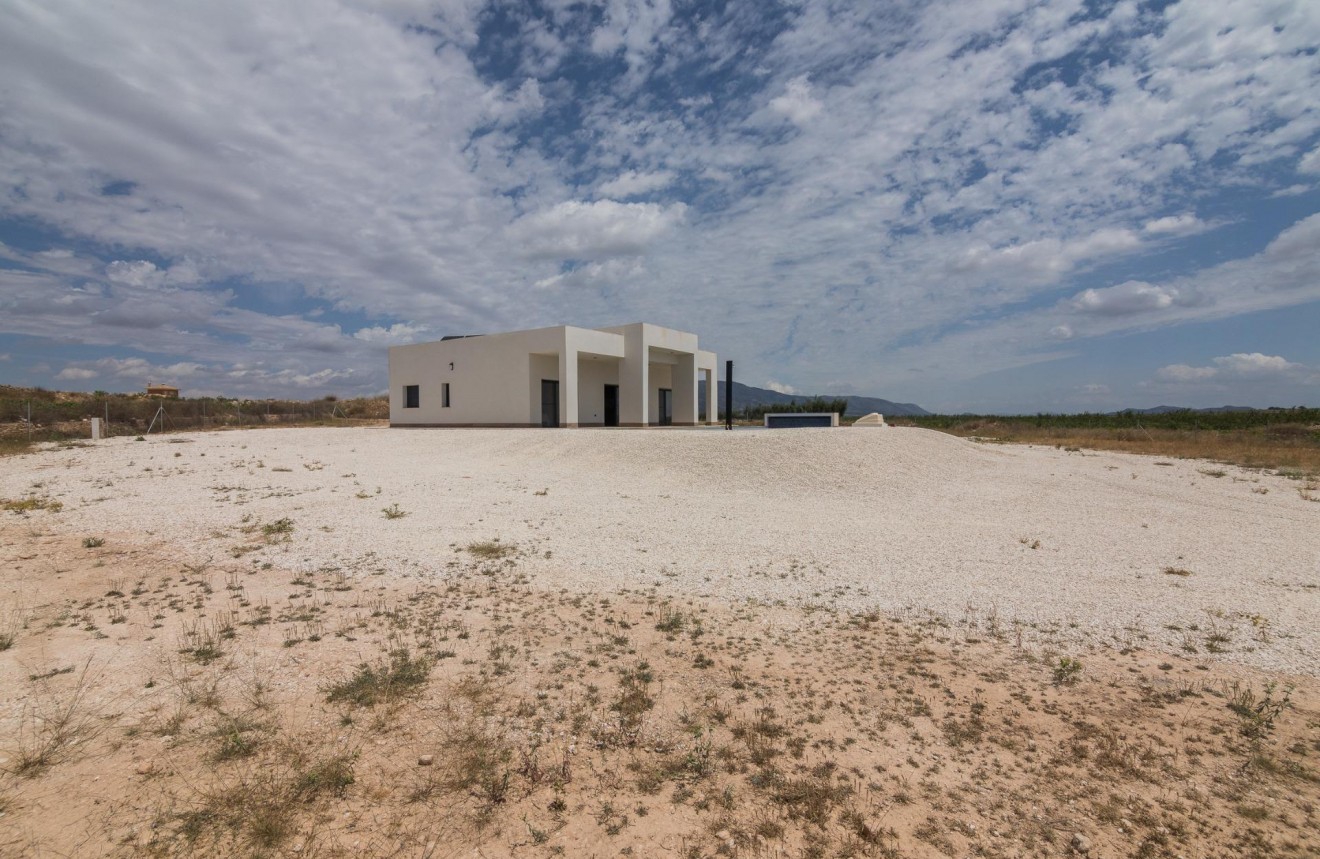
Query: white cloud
x=1125 y=299
x=1310 y=162
x=797 y=102
x=596 y=274
x=136 y=273
x=632 y=183
x=399 y=332
x=1185 y=373
x=1048 y=258
x=1096 y=389
x=1240 y=365
x=1255 y=364
x=77 y=374
x=601 y=229
x=633 y=26
x=1174 y=225
x=779 y=387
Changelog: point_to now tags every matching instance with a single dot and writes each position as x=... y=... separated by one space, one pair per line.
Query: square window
x=411 y=396
x=444 y=395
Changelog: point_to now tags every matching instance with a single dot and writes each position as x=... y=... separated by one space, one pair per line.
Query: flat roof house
x=169 y=392
x=632 y=375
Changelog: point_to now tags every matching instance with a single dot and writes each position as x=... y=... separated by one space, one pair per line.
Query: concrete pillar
x=568 y=386
x=634 y=381
x=685 y=390
x=96 y=429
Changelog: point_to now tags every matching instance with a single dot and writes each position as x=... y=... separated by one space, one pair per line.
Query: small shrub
x=1068 y=671
x=21 y=506
x=93 y=542
x=49 y=731
x=394 y=512
x=1176 y=571
x=279 y=527
x=1257 y=715
x=332 y=776
x=491 y=550
x=400 y=675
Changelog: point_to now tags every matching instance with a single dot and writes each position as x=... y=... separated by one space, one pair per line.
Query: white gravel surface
x=1049 y=544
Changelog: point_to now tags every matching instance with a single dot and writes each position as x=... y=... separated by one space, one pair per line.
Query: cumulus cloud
x=77 y=374
x=779 y=387
x=797 y=102
x=1240 y=365
x=1255 y=364
x=595 y=230
x=1128 y=298
x=133 y=273
x=399 y=332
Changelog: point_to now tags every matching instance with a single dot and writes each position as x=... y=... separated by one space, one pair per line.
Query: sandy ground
x=1038 y=540
x=886 y=643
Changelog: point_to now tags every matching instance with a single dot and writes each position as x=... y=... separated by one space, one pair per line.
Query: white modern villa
x=632 y=375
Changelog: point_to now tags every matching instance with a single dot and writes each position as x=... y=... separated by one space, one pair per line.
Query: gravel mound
x=1027 y=542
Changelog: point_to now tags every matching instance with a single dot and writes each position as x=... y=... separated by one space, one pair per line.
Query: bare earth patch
x=163 y=694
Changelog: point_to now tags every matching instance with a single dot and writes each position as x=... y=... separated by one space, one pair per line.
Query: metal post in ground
x=728 y=395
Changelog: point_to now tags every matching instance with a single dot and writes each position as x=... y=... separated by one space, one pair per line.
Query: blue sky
x=998 y=205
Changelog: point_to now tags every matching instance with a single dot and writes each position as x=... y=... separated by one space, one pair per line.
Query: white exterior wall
x=496 y=378
x=593 y=375
x=490 y=382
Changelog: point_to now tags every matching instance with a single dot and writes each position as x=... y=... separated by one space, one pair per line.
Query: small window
x=411 y=396
x=444 y=395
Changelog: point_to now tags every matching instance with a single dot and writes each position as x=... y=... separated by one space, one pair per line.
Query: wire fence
x=47 y=420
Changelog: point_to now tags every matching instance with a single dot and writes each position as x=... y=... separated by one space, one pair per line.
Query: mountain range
x=746 y=395
x=1164 y=410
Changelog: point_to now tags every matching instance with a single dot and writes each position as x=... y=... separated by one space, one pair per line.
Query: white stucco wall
x=594 y=373
x=490 y=382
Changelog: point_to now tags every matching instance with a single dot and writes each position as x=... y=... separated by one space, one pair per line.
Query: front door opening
x=611 y=405
x=666 y=407
x=549 y=403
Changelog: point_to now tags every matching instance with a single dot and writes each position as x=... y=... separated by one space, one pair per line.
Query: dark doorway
x=666 y=407
x=611 y=405
x=549 y=403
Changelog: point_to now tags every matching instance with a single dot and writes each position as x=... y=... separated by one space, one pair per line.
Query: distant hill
x=1164 y=410
x=746 y=395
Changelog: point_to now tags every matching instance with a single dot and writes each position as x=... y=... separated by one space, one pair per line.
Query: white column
x=568 y=386
x=685 y=390
x=634 y=381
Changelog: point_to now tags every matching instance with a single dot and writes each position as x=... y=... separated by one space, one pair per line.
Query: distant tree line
x=1177 y=420
x=757 y=411
x=56 y=415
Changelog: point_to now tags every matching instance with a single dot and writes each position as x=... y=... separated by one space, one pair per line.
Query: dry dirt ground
x=154 y=705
